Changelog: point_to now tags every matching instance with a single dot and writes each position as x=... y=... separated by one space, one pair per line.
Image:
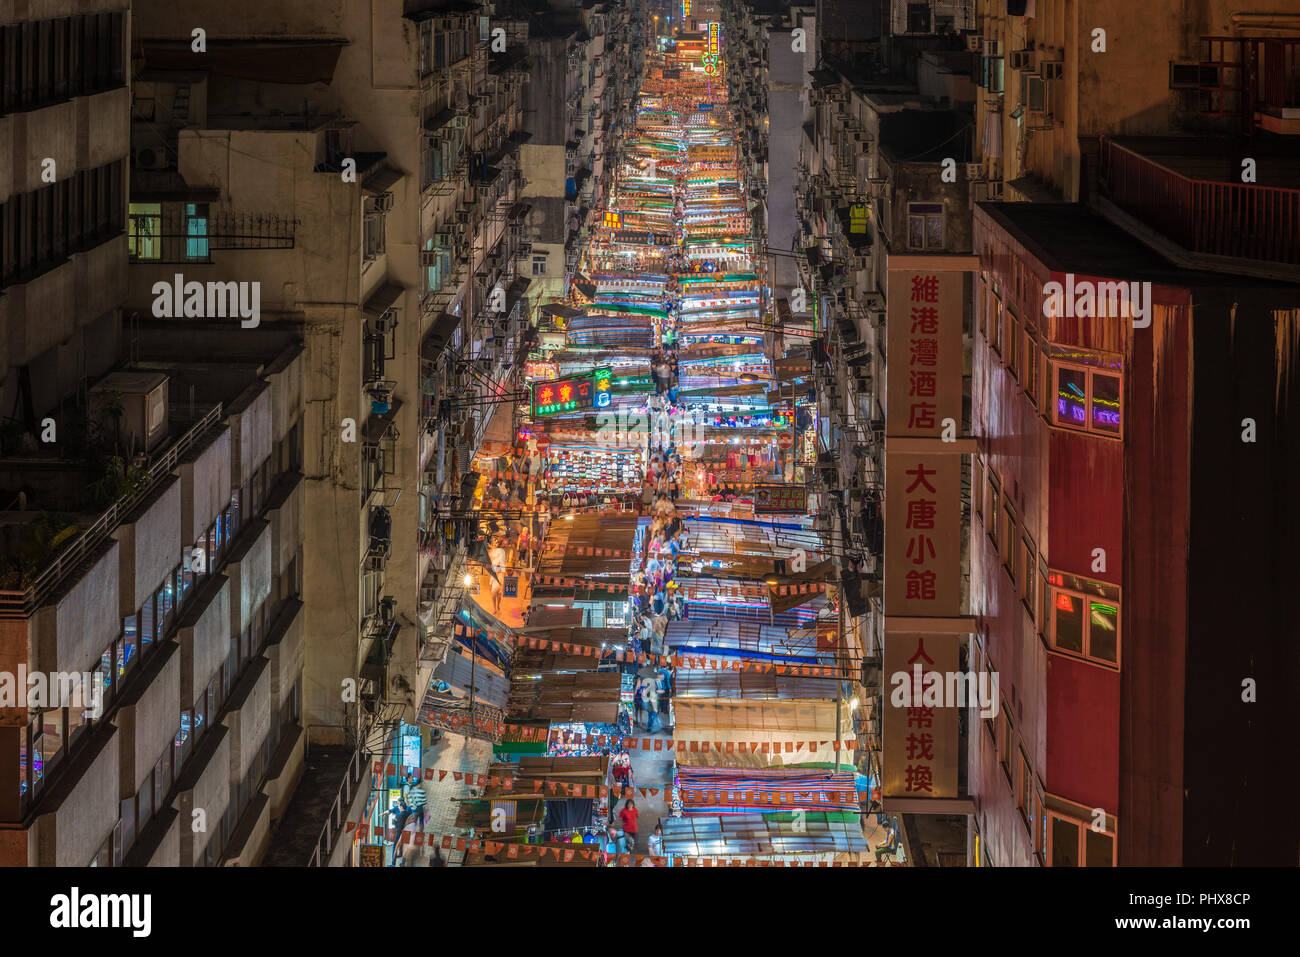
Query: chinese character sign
x=920 y=733
x=922 y=534
x=561 y=396
x=923 y=341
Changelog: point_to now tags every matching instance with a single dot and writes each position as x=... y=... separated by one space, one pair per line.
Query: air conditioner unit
x=1051 y=69
x=150 y=157
x=1022 y=59
x=974 y=170
x=384 y=202
x=992 y=48
x=974 y=42
x=429 y=257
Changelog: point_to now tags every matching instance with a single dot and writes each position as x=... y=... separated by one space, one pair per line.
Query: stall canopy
x=571 y=545
x=589 y=696
x=529 y=660
x=756 y=835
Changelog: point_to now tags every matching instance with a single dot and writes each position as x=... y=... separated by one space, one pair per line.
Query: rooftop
x=1070 y=237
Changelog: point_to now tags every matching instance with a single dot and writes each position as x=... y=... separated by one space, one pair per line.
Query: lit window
x=196 y=231
x=144 y=239
x=1088 y=399
x=1083 y=624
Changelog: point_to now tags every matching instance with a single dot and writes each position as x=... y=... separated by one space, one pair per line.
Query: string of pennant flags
x=568 y=853
x=696 y=662
x=800 y=588
x=541 y=787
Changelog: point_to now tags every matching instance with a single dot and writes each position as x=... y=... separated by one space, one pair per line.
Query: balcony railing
x=1224 y=219
x=21 y=604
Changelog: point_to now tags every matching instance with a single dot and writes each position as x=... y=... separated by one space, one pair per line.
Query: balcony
x=1256 y=79
x=1189 y=190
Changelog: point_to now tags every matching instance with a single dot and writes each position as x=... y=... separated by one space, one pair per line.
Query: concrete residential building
x=367 y=178
x=173 y=580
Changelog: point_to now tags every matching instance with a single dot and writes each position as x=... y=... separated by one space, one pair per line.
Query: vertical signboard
x=924 y=630
x=920 y=734
x=923 y=534
x=923 y=341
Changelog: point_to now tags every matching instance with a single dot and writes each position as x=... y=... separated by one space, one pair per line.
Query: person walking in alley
x=639 y=699
x=416 y=799
x=629 y=816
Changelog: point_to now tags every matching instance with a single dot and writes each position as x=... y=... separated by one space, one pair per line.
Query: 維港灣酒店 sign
x=574 y=394
x=924 y=345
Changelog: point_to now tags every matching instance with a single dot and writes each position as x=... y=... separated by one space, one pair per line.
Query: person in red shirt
x=629 y=818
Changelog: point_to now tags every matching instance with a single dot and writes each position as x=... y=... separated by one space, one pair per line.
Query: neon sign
x=574 y=394
x=713 y=39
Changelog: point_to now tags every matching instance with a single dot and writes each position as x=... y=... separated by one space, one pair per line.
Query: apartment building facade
x=178 y=605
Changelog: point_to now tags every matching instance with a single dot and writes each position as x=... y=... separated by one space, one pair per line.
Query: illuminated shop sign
x=713 y=39
x=574 y=394
x=613 y=220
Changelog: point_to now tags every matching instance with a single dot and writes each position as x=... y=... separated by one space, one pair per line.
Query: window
x=992 y=526
x=1012 y=341
x=144 y=226
x=126 y=829
x=925 y=226
x=1009 y=541
x=1088 y=399
x=1006 y=742
x=1083 y=624
x=127 y=647
x=373 y=226
x=1044 y=599
x=1029 y=362
x=992 y=74
x=1039 y=827
x=1028 y=583
x=185 y=738
x=1075 y=844
x=982 y=306
x=196 y=232
x=539 y=265
x=977 y=485
x=918 y=18
x=1025 y=792
x=995 y=325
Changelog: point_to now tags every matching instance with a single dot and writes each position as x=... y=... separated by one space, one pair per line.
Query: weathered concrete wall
x=70 y=835
x=286 y=658
x=71 y=635
x=205 y=642
x=211 y=795
x=250 y=578
x=151 y=547
x=249 y=720
x=168 y=852
x=205 y=488
x=150 y=722
x=252 y=428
